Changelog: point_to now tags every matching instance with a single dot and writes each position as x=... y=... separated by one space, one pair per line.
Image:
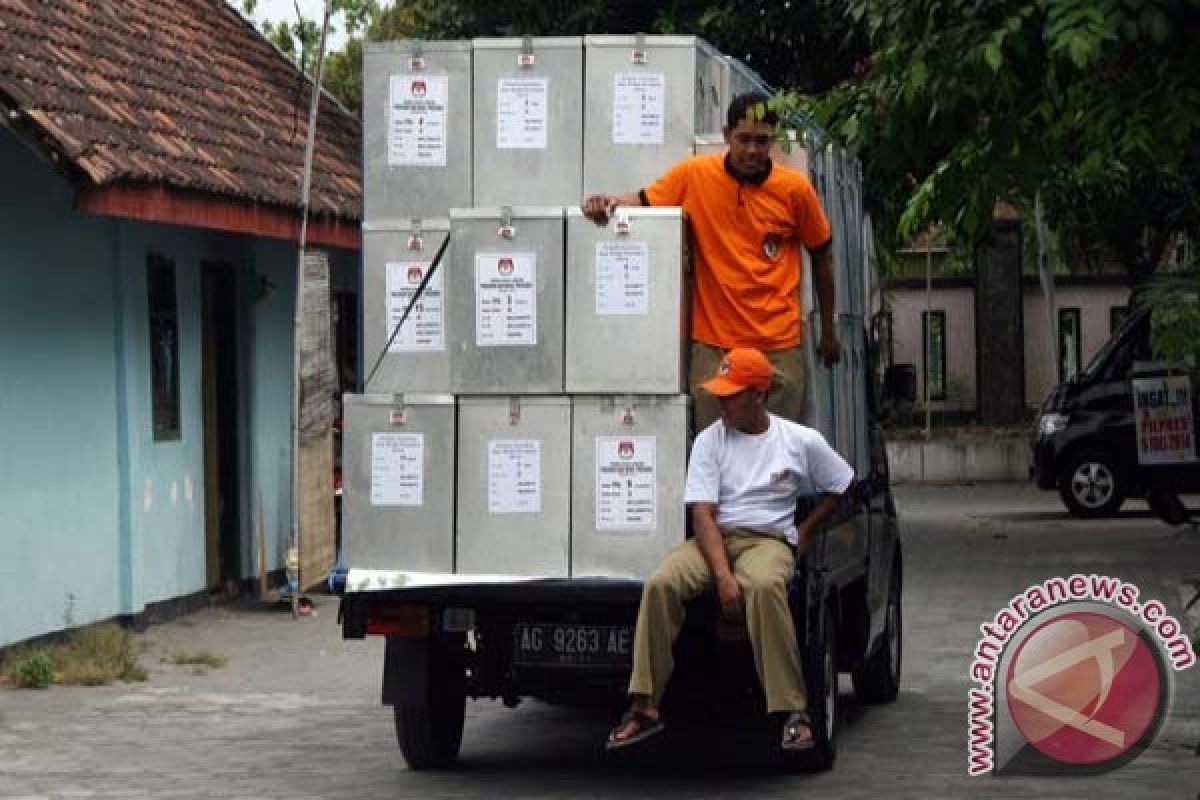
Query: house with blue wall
x=151 y=156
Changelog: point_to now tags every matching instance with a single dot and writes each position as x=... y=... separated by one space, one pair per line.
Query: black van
x=1085 y=440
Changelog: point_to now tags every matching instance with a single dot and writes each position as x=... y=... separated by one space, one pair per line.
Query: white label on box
x=639 y=108
x=417 y=120
x=521 y=120
x=1162 y=410
x=397 y=469
x=425 y=327
x=515 y=476
x=622 y=278
x=626 y=484
x=505 y=299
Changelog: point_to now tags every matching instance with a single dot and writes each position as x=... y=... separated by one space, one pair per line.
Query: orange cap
x=742 y=368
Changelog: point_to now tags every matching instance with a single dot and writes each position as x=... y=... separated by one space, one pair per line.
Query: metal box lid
x=634 y=40
x=419 y=46
x=537 y=42
x=635 y=400
x=516 y=212
x=398 y=399
x=520 y=399
x=439 y=224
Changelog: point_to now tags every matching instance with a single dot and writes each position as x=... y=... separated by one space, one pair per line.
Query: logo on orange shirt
x=770 y=246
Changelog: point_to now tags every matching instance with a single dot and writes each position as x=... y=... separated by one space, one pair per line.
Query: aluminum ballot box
x=506 y=300
x=416 y=129
x=629 y=465
x=627 y=305
x=398 y=474
x=396 y=259
x=528 y=121
x=645 y=97
x=514 y=466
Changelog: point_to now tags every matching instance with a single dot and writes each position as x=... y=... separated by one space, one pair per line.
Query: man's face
x=749 y=146
x=741 y=410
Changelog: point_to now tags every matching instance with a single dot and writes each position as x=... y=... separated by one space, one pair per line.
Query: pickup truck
x=569 y=640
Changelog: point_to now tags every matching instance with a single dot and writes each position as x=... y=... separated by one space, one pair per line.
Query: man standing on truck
x=746 y=216
x=744 y=478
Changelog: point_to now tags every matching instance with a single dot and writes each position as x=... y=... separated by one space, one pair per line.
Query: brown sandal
x=645 y=726
x=797 y=733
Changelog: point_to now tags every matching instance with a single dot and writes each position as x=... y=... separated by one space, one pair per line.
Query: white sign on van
x=514 y=476
x=505 y=299
x=521 y=114
x=424 y=330
x=397 y=469
x=639 y=108
x=622 y=278
x=1162 y=410
x=417 y=120
x=626 y=484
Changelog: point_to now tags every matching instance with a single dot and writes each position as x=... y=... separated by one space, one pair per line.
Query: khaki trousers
x=763 y=566
x=788 y=397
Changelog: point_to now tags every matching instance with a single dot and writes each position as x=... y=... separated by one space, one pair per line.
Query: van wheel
x=430 y=733
x=878 y=679
x=1091 y=485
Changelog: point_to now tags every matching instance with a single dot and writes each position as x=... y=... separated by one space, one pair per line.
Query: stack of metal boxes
x=529 y=416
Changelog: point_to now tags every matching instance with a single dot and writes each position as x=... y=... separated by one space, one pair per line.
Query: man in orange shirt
x=747 y=215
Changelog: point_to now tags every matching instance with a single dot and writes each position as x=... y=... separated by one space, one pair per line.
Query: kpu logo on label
x=1075 y=679
x=418 y=88
x=625 y=450
x=414 y=275
x=505 y=266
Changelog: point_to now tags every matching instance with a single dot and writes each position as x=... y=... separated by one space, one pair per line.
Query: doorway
x=221 y=509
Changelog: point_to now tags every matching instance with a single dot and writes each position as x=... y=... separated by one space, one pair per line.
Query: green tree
x=1094 y=104
x=805 y=45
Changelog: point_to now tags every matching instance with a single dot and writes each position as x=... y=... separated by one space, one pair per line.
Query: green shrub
x=34 y=670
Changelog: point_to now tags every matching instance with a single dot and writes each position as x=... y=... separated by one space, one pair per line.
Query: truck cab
x=1097 y=445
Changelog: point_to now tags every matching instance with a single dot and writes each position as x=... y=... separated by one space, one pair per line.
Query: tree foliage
x=1093 y=103
x=806 y=45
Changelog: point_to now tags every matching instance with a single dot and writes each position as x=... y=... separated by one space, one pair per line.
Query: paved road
x=295 y=712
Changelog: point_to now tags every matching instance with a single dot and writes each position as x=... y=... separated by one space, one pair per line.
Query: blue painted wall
x=58 y=405
x=99 y=518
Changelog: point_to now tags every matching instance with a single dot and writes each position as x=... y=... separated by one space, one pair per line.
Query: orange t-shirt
x=747 y=265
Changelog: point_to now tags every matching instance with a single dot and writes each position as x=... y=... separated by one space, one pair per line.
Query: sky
x=285 y=11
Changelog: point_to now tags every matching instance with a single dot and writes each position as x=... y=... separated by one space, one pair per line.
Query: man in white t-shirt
x=745 y=475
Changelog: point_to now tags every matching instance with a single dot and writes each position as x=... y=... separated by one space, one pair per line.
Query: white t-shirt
x=756 y=478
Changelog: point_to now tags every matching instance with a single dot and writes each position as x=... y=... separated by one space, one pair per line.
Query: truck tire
x=430 y=733
x=1091 y=484
x=821 y=679
x=878 y=679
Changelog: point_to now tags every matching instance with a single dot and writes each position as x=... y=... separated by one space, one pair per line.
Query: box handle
x=526 y=58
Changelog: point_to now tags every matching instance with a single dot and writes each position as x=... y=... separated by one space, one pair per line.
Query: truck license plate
x=568 y=645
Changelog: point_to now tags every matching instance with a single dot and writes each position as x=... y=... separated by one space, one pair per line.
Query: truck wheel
x=1091 y=485
x=878 y=679
x=430 y=733
x=821 y=677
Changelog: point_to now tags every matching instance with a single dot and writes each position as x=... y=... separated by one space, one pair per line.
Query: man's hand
x=729 y=592
x=598 y=207
x=829 y=349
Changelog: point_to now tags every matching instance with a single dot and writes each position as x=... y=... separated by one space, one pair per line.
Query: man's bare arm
x=712 y=547
x=828 y=348
x=598 y=207
x=808 y=526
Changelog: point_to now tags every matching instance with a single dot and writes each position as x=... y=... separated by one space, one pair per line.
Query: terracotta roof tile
x=184 y=92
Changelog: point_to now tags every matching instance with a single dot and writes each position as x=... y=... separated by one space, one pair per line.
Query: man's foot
x=635 y=726
x=797 y=733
